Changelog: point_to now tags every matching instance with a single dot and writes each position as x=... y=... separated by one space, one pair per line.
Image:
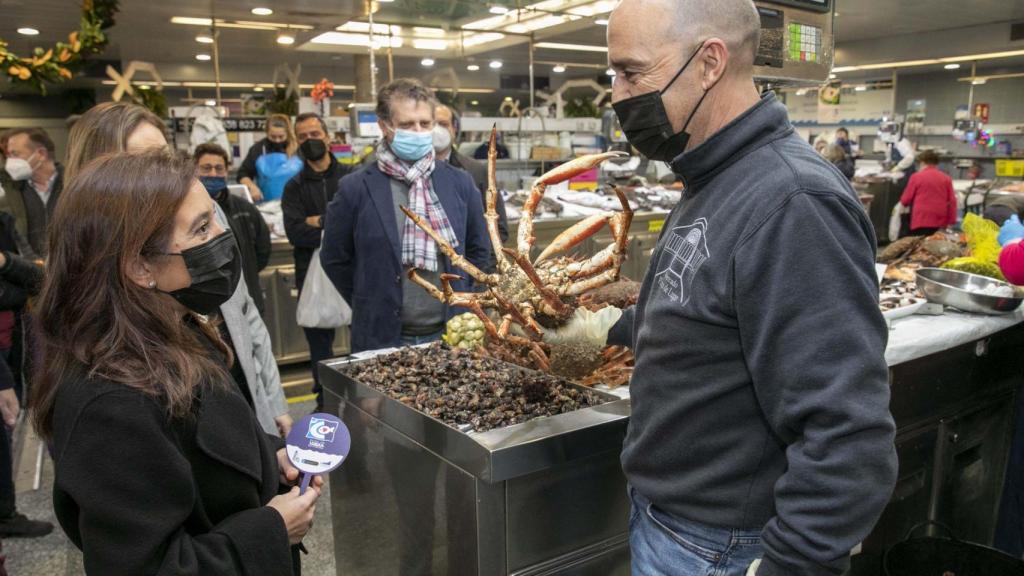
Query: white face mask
x=18 y=169
x=442 y=139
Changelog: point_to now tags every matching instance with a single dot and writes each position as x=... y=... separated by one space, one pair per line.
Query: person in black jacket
x=304 y=203
x=251 y=231
x=160 y=465
x=280 y=138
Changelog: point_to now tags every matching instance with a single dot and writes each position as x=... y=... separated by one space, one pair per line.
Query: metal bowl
x=962 y=291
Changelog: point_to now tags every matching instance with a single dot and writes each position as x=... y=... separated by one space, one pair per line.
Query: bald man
x=760 y=440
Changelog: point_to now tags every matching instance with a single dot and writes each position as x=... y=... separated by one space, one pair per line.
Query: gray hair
x=402 y=89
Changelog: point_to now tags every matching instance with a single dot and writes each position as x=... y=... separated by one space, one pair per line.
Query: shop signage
x=317 y=444
x=1010 y=168
x=239 y=124
x=655 y=225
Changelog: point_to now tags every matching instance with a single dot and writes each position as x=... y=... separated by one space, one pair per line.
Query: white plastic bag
x=894 y=221
x=320 y=305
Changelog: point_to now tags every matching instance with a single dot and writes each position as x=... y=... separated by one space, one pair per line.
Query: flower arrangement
x=322 y=90
x=58 y=63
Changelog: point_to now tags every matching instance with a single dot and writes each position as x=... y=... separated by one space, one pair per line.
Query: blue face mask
x=412 y=146
x=214 y=184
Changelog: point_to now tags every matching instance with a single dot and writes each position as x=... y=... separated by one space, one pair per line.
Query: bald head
x=680 y=24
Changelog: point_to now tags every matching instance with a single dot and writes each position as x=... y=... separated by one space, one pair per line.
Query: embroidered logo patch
x=684 y=252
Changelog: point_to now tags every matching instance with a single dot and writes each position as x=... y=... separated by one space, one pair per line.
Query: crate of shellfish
x=468 y=465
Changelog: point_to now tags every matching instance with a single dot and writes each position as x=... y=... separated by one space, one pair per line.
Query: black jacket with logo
x=760 y=396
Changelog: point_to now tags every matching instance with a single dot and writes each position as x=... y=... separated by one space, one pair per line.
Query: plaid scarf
x=418 y=249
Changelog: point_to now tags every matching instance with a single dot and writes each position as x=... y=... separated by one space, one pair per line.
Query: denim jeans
x=417 y=340
x=664 y=545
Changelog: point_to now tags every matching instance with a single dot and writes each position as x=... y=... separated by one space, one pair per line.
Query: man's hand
x=284 y=424
x=9 y=407
x=313 y=221
x=290 y=474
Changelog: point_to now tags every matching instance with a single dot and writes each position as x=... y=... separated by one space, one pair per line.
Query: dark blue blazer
x=361 y=251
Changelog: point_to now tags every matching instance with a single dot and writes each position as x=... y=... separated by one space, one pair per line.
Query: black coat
x=140 y=494
x=305 y=195
x=478 y=170
x=253 y=238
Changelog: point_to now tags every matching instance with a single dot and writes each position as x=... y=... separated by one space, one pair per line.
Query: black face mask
x=215 y=268
x=313 y=149
x=647 y=126
x=277 y=146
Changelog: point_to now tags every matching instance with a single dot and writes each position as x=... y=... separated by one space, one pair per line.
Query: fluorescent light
x=476 y=90
x=474 y=102
x=601 y=21
x=471 y=40
x=488 y=23
x=931 y=61
x=540 y=23
x=262 y=11
x=498 y=10
x=558 y=69
x=28 y=31
x=345 y=39
x=831 y=76
x=979 y=81
x=602 y=7
x=576 y=47
x=801 y=92
x=428 y=32
x=951 y=66
x=144 y=86
x=495 y=64
x=861 y=88
x=204 y=39
x=257 y=88
x=508 y=98
x=364 y=27
x=286 y=39
x=472 y=67
x=202 y=57
x=191 y=21
x=211 y=102
x=427 y=62
x=429 y=44
x=610 y=72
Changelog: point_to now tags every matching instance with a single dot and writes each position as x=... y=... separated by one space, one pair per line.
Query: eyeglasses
x=213 y=169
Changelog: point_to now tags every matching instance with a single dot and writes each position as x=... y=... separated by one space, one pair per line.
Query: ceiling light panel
x=476 y=39
x=573 y=47
x=345 y=39
x=429 y=44
x=364 y=27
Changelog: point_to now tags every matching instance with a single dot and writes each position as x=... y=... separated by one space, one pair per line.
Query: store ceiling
x=144 y=31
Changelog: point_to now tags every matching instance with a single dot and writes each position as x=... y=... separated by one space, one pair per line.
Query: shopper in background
x=841 y=160
x=446 y=137
x=369 y=243
x=755 y=432
x=160 y=466
x=930 y=197
x=123 y=127
x=843 y=140
x=899 y=157
x=37 y=180
x=304 y=204
x=251 y=231
x=279 y=139
x=1011 y=258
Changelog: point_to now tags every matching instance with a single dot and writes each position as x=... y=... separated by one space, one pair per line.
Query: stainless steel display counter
x=548 y=497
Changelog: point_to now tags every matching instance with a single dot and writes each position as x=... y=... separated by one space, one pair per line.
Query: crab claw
x=575 y=234
x=574 y=167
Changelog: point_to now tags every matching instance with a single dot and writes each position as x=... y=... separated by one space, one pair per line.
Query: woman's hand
x=290 y=474
x=255 y=192
x=297 y=511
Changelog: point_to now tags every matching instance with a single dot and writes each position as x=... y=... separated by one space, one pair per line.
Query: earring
x=152 y=284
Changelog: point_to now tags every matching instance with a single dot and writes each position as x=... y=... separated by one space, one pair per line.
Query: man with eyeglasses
x=251 y=231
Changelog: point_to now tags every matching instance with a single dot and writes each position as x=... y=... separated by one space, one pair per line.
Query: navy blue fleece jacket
x=760 y=397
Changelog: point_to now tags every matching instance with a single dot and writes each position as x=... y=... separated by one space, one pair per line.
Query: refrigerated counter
x=548 y=497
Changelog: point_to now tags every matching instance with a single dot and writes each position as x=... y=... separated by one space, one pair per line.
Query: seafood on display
x=534 y=294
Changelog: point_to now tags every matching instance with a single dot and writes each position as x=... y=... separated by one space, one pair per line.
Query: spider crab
x=533 y=293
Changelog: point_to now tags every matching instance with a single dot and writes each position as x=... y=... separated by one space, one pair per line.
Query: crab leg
x=575 y=234
x=549 y=295
x=448 y=296
x=553 y=176
x=457 y=260
x=612 y=255
x=581 y=286
x=523 y=320
x=491 y=213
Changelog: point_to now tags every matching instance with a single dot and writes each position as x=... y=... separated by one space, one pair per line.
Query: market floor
x=54 y=555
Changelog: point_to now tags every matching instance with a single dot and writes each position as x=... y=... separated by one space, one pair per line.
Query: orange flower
x=65 y=55
x=21 y=72
x=75 y=43
x=64 y=73
x=38 y=61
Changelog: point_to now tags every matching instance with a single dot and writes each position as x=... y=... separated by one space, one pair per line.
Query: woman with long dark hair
x=161 y=467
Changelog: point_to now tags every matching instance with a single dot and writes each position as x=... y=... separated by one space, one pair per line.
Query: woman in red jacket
x=1011 y=259
x=930 y=196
